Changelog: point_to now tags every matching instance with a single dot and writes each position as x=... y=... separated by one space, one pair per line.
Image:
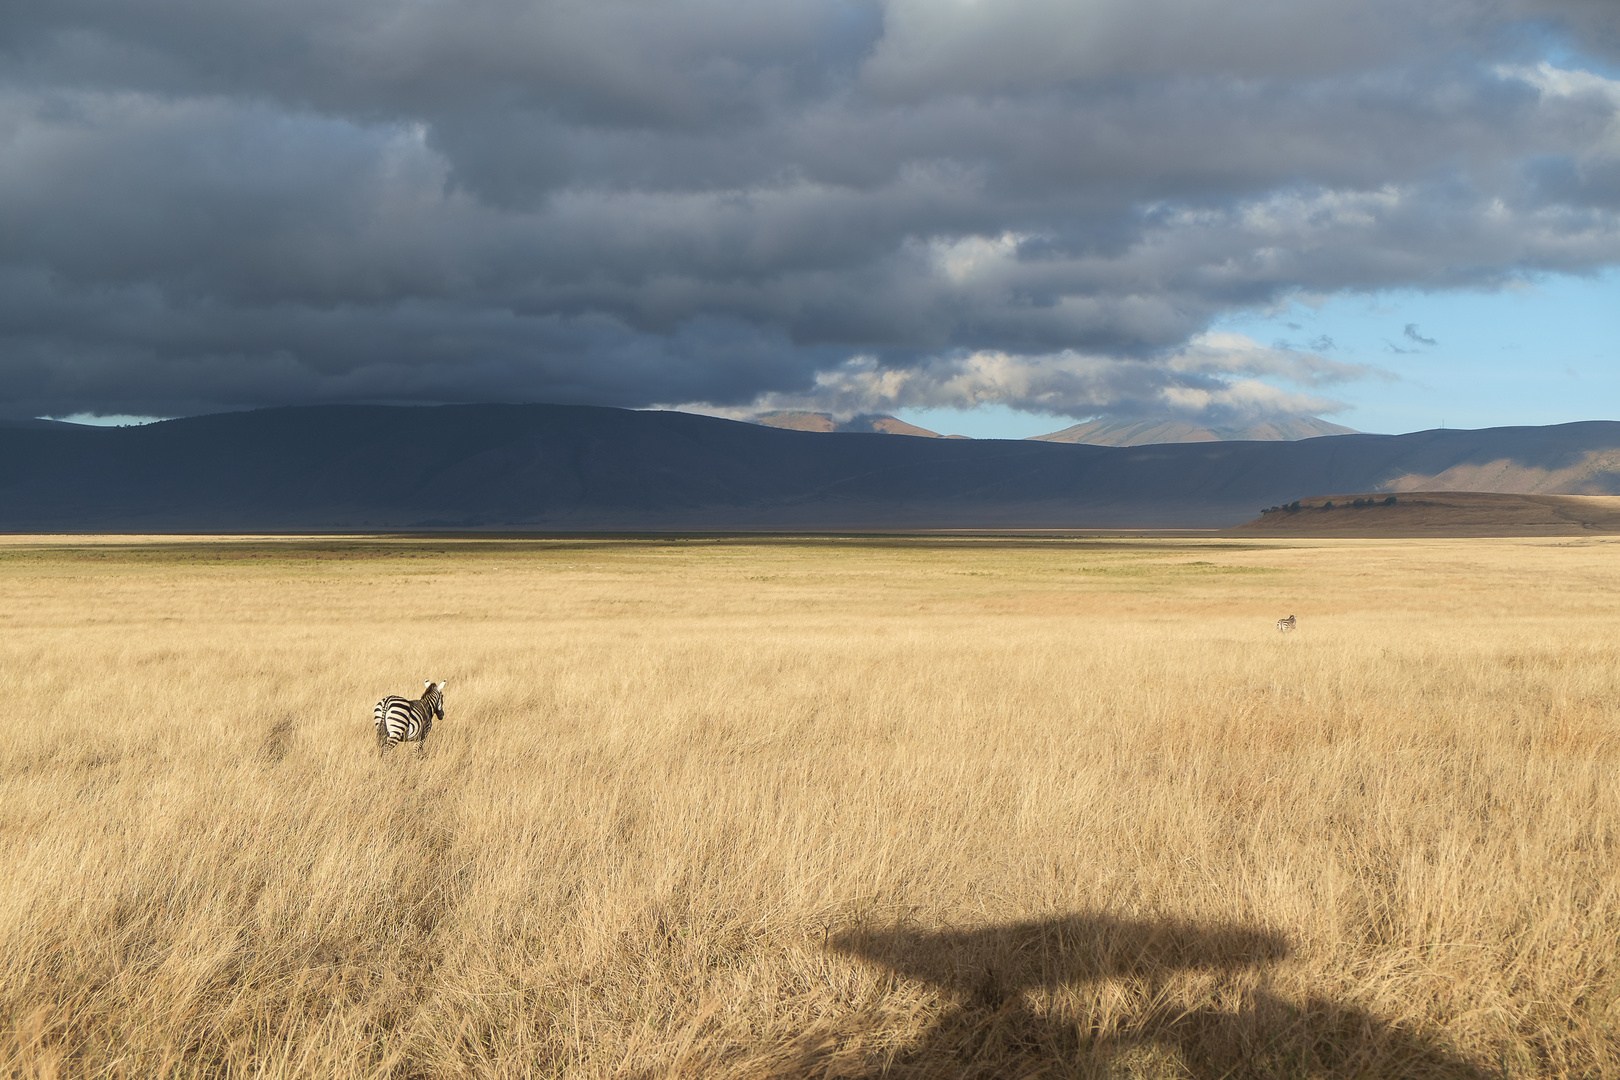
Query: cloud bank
x=820 y=203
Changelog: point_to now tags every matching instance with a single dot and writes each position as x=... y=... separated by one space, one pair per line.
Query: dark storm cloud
x=854 y=205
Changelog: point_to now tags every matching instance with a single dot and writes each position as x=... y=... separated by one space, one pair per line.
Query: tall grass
x=793 y=809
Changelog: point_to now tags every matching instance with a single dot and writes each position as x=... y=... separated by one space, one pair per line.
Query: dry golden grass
x=795 y=809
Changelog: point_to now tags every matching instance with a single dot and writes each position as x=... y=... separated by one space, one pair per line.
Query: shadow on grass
x=998 y=1024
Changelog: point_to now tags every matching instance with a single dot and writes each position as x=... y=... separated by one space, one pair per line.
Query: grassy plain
x=784 y=808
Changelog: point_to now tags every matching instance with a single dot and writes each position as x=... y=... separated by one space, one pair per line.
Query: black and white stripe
x=1285 y=625
x=403 y=720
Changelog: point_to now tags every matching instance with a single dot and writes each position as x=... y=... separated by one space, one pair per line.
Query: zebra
x=1285 y=625
x=403 y=720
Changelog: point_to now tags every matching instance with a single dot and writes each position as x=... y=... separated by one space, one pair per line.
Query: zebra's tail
x=379 y=716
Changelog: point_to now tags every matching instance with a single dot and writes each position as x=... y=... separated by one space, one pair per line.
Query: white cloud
x=1557 y=82
x=1211 y=380
x=1221 y=353
x=965 y=259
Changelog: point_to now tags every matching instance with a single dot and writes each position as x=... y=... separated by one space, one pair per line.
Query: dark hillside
x=569 y=467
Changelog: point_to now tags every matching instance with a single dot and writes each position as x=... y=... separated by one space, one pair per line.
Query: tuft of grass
x=796 y=808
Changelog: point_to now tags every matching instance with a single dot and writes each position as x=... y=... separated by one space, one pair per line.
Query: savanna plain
x=857 y=807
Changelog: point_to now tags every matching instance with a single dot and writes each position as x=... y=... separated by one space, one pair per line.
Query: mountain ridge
x=869 y=423
x=587 y=468
x=1154 y=432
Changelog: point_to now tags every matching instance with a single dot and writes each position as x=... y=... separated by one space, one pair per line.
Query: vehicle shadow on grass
x=992 y=1027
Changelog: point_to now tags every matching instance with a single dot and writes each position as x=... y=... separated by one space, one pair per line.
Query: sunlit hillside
x=789 y=808
x=1150 y=432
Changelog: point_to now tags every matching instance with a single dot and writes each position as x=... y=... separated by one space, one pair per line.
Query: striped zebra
x=403 y=720
x=1285 y=625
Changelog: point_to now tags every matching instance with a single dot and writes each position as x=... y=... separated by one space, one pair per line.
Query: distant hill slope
x=1441 y=513
x=1151 y=432
x=563 y=467
x=869 y=423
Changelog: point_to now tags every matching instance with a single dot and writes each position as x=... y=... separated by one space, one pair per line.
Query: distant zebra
x=403 y=720
x=1285 y=625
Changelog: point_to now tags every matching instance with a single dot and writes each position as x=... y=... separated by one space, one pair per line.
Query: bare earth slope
x=1148 y=432
x=877 y=423
x=1442 y=513
x=552 y=467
